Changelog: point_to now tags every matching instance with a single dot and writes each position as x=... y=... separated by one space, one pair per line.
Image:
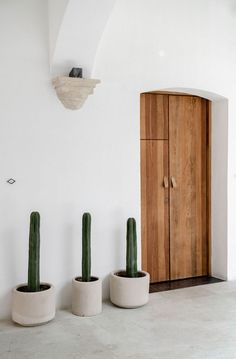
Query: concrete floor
x=197 y=322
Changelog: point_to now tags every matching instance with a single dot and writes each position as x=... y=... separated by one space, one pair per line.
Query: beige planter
x=33 y=308
x=129 y=292
x=86 y=297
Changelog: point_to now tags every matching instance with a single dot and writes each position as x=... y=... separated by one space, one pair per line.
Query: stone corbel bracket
x=73 y=92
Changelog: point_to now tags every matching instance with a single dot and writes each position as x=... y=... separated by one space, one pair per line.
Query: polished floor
x=197 y=322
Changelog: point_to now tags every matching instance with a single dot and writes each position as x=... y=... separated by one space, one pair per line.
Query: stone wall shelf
x=73 y=92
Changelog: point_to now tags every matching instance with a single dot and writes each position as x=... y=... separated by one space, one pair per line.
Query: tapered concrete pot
x=129 y=292
x=86 y=297
x=33 y=308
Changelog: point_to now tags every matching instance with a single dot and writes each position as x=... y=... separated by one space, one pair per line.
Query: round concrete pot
x=86 y=297
x=33 y=308
x=129 y=292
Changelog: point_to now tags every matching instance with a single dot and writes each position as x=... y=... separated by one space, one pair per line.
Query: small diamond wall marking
x=11 y=181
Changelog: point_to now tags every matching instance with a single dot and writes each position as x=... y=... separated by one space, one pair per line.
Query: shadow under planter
x=126 y=292
x=33 y=308
x=86 y=297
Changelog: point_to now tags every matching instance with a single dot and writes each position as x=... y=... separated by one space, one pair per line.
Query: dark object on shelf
x=76 y=72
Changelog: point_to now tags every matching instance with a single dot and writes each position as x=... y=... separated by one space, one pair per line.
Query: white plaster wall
x=64 y=163
x=219 y=181
x=68 y=162
x=79 y=35
x=56 y=12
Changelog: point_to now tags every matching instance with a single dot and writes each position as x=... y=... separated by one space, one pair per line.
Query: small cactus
x=131 y=251
x=86 y=247
x=34 y=253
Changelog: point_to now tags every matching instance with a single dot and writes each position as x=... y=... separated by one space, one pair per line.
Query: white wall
x=80 y=32
x=56 y=12
x=68 y=162
x=64 y=163
x=219 y=196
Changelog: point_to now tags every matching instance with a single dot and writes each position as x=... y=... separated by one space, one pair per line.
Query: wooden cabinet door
x=188 y=171
x=155 y=209
x=154 y=117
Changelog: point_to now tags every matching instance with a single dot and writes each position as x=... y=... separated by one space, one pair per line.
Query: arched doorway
x=216 y=188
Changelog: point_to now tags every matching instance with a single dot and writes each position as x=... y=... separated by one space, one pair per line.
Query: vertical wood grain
x=154 y=117
x=155 y=209
x=188 y=201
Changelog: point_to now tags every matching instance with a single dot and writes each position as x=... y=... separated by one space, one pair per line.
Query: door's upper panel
x=154 y=117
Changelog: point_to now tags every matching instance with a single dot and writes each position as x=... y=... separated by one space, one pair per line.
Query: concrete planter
x=86 y=297
x=33 y=308
x=129 y=292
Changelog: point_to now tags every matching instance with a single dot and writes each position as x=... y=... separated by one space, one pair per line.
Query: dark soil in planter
x=123 y=274
x=25 y=288
x=92 y=279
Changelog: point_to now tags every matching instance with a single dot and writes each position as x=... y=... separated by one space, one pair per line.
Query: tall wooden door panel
x=155 y=209
x=154 y=117
x=188 y=207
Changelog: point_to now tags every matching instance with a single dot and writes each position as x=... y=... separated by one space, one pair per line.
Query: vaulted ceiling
x=76 y=28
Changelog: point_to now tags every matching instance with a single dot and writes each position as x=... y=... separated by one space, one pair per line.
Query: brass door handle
x=173 y=182
x=165 y=182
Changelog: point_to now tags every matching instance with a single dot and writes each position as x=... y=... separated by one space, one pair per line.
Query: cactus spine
x=131 y=251
x=86 y=247
x=34 y=253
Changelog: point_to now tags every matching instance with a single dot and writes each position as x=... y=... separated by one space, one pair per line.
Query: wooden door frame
x=208 y=171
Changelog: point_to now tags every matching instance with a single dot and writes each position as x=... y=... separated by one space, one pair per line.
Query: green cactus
x=86 y=247
x=131 y=251
x=34 y=253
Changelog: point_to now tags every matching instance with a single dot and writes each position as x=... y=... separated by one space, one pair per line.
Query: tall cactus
x=86 y=247
x=34 y=253
x=131 y=250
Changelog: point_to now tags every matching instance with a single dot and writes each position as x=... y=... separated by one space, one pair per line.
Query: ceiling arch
x=76 y=28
